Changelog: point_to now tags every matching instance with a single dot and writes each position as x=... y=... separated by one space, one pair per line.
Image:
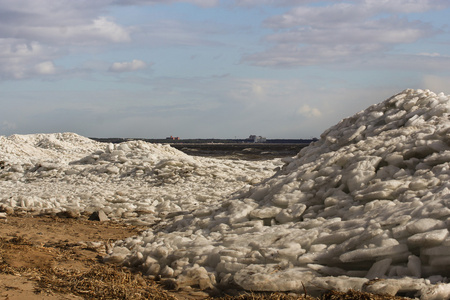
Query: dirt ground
x=54 y=257
x=48 y=257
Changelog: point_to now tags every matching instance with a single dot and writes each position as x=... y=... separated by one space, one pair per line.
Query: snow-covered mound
x=369 y=200
x=56 y=147
x=135 y=181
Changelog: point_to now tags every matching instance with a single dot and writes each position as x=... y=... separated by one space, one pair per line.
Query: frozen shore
x=369 y=200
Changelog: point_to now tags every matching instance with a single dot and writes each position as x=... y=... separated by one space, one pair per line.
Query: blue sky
x=212 y=68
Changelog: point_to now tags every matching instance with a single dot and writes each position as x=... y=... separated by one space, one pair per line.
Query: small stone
x=6 y=209
x=98 y=216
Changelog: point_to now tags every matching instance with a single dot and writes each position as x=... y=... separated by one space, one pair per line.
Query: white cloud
x=273 y=2
x=19 y=57
x=338 y=32
x=307 y=111
x=98 y=31
x=34 y=33
x=348 y=12
x=201 y=3
x=405 y=6
x=128 y=66
x=434 y=54
x=61 y=23
x=318 y=16
x=102 y=27
x=45 y=68
x=383 y=31
x=256 y=91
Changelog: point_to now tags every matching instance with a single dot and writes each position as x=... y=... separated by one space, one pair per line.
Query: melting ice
x=366 y=207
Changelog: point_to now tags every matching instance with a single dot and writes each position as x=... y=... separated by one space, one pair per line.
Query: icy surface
x=366 y=207
x=140 y=182
x=369 y=200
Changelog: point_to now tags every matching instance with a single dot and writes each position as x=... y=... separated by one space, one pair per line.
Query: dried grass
x=356 y=295
x=103 y=281
x=330 y=295
x=100 y=281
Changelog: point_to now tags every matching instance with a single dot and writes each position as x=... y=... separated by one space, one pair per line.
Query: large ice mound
x=369 y=200
x=57 y=147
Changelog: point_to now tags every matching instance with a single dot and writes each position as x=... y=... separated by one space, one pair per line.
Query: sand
x=48 y=257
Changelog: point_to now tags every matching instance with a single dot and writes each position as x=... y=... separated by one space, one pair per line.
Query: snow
x=136 y=181
x=366 y=207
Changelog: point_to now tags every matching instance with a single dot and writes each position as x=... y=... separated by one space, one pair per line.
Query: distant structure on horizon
x=174 y=138
x=257 y=139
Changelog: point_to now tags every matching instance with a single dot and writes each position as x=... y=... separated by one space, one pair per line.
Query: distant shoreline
x=205 y=141
x=228 y=148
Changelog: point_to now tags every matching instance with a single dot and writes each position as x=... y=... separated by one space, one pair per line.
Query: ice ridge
x=369 y=200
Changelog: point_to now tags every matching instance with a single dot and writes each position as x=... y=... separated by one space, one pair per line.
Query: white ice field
x=369 y=200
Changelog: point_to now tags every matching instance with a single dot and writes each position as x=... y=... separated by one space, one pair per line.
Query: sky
x=212 y=68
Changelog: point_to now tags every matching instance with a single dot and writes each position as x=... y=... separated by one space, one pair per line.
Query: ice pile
x=135 y=181
x=51 y=148
x=366 y=207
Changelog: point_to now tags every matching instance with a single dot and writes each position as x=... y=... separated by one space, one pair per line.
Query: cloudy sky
x=212 y=68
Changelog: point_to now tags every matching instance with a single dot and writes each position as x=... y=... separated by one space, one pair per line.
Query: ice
x=372 y=253
x=379 y=268
x=270 y=277
x=339 y=283
x=133 y=180
x=439 y=291
x=366 y=207
x=428 y=239
x=414 y=266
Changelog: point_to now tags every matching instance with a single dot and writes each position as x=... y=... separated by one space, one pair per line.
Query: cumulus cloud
x=308 y=111
x=405 y=6
x=349 y=12
x=45 y=68
x=337 y=32
x=61 y=22
x=134 y=65
x=18 y=58
x=92 y=32
x=34 y=33
x=318 y=16
x=60 y=27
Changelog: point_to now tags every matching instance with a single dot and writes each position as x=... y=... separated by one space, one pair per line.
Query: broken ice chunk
x=379 y=268
x=428 y=239
x=270 y=277
x=265 y=212
x=372 y=253
x=423 y=225
x=414 y=266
